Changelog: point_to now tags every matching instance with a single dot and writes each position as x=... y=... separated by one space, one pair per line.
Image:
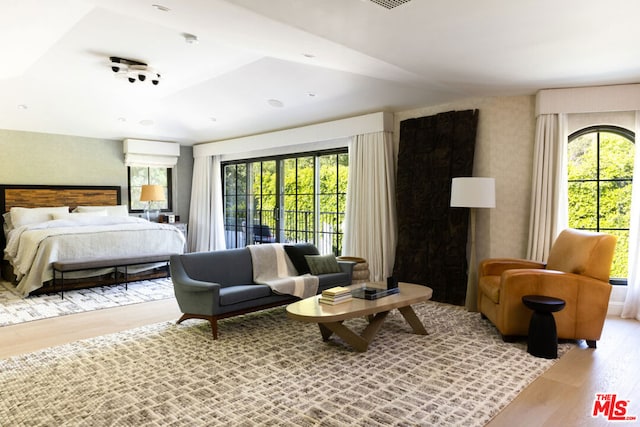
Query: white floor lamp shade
x=473 y=192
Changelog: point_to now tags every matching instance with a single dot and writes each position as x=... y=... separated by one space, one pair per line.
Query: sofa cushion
x=239 y=293
x=296 y=254
x=323 y=264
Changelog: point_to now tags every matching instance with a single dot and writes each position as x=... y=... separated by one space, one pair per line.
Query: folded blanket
x=272 y=267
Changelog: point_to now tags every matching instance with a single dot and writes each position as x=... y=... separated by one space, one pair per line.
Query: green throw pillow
x=322 y=264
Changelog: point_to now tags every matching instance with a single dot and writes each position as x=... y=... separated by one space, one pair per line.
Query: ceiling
x=316 y=60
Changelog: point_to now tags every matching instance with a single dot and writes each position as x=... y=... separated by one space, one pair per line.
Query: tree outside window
x=600 y=174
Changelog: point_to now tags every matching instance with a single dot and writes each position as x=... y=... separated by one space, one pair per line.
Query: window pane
x=230 y=180
x=305 y=177
x=298 y=189
x=583 y=157
x=583 y=205
x=616 y=156
x=615 y=204
x=619 y=267
x=158 y=176
x=241 y=176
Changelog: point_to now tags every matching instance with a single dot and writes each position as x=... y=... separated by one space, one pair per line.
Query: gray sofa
x=219 y=284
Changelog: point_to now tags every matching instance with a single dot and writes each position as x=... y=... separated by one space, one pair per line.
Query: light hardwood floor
x=563 y=396
x=36 y=335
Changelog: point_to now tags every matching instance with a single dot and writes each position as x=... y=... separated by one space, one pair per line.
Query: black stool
x=543 y=336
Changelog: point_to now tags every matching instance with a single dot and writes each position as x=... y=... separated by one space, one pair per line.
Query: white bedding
x=32 y=248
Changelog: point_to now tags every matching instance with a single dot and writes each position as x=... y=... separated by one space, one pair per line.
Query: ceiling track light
x=134 y=70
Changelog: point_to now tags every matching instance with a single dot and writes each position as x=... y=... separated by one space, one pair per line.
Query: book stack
x=336 y=295
x=374 y=293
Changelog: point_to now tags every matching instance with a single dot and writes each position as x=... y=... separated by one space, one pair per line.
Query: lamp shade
x=152 y=193
x=473 y=192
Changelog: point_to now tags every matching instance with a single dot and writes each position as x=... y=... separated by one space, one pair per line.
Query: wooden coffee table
x=330 y=318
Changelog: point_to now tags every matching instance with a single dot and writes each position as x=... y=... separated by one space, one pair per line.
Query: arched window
x=600 y=173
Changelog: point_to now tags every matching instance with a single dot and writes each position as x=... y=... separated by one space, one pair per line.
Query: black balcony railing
x=265 y=226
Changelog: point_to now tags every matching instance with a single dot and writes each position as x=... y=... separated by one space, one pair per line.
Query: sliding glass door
x=298 y=198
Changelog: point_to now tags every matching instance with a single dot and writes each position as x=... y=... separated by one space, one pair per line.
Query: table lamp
x=150 y=194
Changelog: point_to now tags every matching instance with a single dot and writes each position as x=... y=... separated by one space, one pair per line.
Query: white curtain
x=370 y=219
x=206 y=223
x=549 y=201
x=631 y=308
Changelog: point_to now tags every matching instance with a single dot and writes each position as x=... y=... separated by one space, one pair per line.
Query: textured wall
x=39 y=158
x=504 y=150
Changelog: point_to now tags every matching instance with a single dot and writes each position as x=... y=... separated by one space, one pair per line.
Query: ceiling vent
x=390 y=4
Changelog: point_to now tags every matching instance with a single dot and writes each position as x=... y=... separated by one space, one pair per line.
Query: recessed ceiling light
x=311 y=94
x=160 y=7
x=22 y=107
x=122 y=119
x=213 y=119
x=146 y=122
x=308 y=55
x=190 y=38
x=275 y=103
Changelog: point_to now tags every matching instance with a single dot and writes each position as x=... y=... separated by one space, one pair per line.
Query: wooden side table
x=543 y=336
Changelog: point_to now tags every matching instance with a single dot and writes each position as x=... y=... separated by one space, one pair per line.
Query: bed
x=45 y=224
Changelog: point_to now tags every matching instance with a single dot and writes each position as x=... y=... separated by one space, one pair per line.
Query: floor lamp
x=473 y=192
x=149 y=194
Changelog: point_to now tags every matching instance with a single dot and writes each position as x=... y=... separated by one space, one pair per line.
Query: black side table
x=543 y=336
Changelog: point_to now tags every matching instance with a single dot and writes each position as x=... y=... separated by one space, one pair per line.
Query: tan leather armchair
x=577 y=271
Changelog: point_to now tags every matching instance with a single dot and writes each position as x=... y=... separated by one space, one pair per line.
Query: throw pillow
x=26 y=216
x=322 y=264
x=296 y=254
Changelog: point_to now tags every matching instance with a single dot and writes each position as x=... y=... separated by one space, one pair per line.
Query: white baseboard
x=616 y=301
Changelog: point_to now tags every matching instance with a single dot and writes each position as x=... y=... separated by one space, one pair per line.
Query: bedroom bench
x=67 y=266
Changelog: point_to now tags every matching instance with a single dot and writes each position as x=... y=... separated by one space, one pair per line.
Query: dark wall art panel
x=432 y=236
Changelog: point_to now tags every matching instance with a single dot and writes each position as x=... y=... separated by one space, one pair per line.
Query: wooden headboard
x=35 y=196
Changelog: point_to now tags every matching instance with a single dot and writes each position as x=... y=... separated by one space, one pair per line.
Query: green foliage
x=608 y=186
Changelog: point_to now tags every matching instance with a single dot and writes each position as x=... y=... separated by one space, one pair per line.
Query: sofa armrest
x=496 y=266
x=193 y=296
x=586 y=300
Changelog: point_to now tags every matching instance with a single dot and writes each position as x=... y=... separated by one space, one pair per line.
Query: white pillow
x=118 y=210
x=79 y=214
x=25 y=216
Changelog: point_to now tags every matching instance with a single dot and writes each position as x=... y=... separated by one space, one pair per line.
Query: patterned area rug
x=16 y=309
x=266 y=369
